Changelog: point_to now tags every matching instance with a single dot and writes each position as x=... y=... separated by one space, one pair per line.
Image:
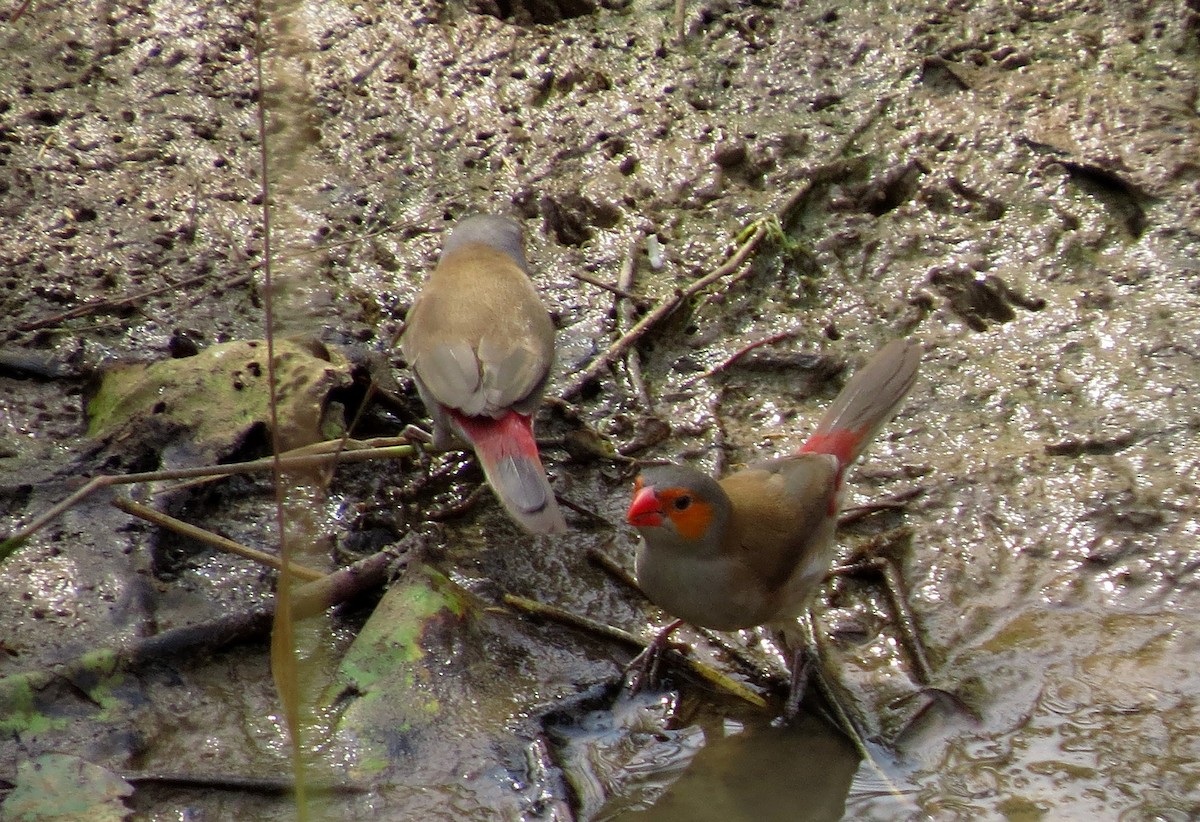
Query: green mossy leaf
x=219 y=394
x=66 y=789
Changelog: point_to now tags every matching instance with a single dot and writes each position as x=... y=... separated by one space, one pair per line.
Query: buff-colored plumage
x=481 y=345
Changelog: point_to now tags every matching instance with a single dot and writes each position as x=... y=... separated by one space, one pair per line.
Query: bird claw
x=642 y=670
x=414 y=433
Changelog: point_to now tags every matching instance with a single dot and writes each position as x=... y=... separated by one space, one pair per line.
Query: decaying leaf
x=67 y=789
x=217 y=396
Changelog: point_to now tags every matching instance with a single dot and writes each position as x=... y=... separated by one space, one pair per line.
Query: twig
x=633 y=364
x=679 y=20
x=907 y=620
x=625 y=280
x=738 y=655
x=363 y=74
x=19 y=10
x=741 y=352
x=625 y=319
x=306 y=457
x=93 y=306
x=614 y=569
x=209 y=538
x=843 y=718
x=34 y=365
x=562 y=615
x=753 y=234
x=210 y=635
x=587 y=512
x=704 y=672
x=620 y=290
x=663 y=310
x=895 y=502
x=714 y=409
x=265 y=785
x=458 y=508
x=207 y=636
x=902 y=615
x=347 y=583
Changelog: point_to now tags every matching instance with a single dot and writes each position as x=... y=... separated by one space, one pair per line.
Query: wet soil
x=1016 y=186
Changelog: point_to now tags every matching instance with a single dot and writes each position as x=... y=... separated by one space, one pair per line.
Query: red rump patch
x=840 y=442
x=512 y=433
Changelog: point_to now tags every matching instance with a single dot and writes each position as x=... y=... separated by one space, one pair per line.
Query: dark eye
x=682 y=503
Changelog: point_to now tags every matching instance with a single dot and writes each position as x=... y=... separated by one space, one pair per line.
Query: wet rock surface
x=1017 y=187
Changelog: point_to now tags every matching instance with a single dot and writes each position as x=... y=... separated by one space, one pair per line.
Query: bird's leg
x=803 y=660
x=801 y=668
x=643 y=668
x=805 y=656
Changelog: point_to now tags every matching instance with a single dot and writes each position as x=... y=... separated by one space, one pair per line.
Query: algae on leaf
x=68 y=789
x=218 y=395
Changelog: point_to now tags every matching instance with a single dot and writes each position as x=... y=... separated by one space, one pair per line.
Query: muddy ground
x=1016 y=185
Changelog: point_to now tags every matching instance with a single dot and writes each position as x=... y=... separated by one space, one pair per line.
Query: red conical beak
x=645 y=510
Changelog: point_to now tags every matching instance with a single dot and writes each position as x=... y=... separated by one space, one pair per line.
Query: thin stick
x=714 y=408
x=620 y=290
x=346 y=583
x=100 y=305
x=284 y=662
x=907 y=620
x=562 y=615
x=633 y=361
x=842 y=716
x=587 y=512
x=902 y=615
x=741 y=352
x=207 y=636
x=454 y=509
x=363 y=74
x=704 y=672
x=735 y=653
x=754 y=234
x=19 y=10
x=215 y=540
x=661 y=311
x=895 y=502
x=614 y=569
x=265 y=785
x=306 y=457
x=625 y=279
x=680 y=18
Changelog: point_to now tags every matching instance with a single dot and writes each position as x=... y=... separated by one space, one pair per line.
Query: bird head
x=500 y=233
x=678 y=503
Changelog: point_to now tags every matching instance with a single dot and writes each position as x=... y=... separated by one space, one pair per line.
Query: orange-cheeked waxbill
x=481 y=345
x=750 y=549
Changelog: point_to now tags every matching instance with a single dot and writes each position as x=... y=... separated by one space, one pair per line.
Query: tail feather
x=869 y=400
x=509 y=457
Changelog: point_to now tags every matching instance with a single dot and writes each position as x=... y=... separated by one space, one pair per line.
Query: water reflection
x=628 y=764
x=800 y=773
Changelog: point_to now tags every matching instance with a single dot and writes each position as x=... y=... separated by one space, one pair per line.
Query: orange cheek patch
x=692 y=522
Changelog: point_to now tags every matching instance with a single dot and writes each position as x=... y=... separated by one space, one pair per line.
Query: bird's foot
x=642 y=671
